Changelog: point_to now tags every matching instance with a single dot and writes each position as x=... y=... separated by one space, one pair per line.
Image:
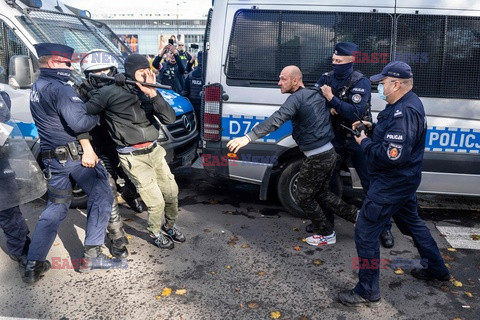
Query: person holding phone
x=172 y=70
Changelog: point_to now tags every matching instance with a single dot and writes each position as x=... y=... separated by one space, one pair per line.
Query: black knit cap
x=134 y=62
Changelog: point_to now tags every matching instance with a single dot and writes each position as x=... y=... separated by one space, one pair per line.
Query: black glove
x=120 y=79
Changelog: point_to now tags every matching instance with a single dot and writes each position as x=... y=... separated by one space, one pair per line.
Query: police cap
x=345 y=49
x=395 y=69
x=54 y=49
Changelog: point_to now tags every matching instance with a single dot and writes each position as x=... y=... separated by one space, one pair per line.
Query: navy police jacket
x=59 y=114
x=394 y=152
x=358 y=95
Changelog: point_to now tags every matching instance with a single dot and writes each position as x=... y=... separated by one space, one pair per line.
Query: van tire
x=286 y=187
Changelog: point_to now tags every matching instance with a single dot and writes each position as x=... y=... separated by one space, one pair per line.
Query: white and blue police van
x=24 y=23
x=248 y=42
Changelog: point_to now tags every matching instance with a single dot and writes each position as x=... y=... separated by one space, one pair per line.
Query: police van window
x=444 y=53
x=262 y=42
x=10 y=45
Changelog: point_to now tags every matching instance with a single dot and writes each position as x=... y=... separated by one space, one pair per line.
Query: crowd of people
x=113 y=122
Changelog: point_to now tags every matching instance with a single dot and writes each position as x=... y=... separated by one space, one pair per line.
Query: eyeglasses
x=181 y=45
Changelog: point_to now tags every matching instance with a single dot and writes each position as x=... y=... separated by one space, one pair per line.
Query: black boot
x=94 y=258
x=34 y=270
x=119 y=249
x=136 y=205
x=387 y=239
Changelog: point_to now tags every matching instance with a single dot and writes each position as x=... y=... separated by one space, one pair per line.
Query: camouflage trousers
x=313 y=192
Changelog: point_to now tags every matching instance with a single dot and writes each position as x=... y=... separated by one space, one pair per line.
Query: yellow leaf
x=213 y=273
x=181 y=292
x=295 y=229
x=317 y=262
x=475 y=237
x=262 y=273
x=275 y=314
x=228 y=267
x=398 y=271
x=166 y=292
x=158 y=297
x=456 y=283
x=129 y=237
x=304 y=239
x=245 y=246
x=469 y=294
x=447 y=265
x=297 y=248
x=451 y=249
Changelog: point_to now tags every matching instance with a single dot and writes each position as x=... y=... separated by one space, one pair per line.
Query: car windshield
x=80 y=33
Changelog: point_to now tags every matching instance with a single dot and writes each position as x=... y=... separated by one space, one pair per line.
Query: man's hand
x=367 y=124
x=89 y=157
x=149 y=77
x=237 y=143
x=193 y=58
x=361 y=137
x=333 y=112
x=327 y=92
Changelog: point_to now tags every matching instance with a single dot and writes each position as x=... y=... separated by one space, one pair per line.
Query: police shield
x=21 y=179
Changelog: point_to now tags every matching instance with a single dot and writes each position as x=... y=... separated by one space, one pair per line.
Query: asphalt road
x=243 y=259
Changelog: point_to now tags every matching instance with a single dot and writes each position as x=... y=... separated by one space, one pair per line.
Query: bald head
x=290 y=79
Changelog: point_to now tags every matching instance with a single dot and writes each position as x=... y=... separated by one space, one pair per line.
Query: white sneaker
x=319 y=240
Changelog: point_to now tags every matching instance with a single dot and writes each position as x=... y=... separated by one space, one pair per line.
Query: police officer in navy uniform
x=193 y=87
x=348 y=97
x=11 y=219
x=394 y=155
x=61 y=119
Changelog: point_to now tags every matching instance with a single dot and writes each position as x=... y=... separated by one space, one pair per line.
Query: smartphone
x=170 y=41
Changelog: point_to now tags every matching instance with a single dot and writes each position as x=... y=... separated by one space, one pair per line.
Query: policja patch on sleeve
x=356 y=98
x=394 y=151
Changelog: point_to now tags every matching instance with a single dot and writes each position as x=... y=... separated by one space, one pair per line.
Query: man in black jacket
x=129 y=113
x=312 y=132
x=172 y=70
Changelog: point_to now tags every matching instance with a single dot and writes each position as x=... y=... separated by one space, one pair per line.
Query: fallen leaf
x=457 y=319
x=253 y=305
x=207 y=230
x=166 y=292
x=295 y=229
x=317 y=262
x=456 y=283
x=444 y=288
x=469 y=294
x=158 y=297
x=262 y=273
x=129 y=237
x=56 y=244
x=475 y=237
x=447 y=257
x=447 y=265
x=451 y=249
x=234 y=238
x=181 y=292
x=399 y=271
x=304 y=239
x=245 y=246
x=213 y=273
x=275 y=314
x=228 y=267
x=297 y=248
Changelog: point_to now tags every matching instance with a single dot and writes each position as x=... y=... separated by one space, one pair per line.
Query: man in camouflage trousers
x=312 y=132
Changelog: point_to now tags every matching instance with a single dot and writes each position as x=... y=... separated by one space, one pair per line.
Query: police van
x=248 y=42
x=27 y=22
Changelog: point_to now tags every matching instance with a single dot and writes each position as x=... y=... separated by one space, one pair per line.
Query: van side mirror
x=22 y=72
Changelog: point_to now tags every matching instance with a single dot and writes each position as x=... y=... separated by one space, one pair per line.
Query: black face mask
x=340 y=71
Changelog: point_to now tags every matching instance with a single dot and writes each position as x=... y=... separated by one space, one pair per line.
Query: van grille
x=183 y=125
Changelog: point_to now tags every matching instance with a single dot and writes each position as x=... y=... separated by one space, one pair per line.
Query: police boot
x=22 y=259
x=94 y=258
x=34 y=270
x=387 y=239
x=116 y=234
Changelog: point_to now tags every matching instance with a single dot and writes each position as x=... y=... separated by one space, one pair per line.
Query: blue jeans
x=371 y=222
x=94 y=182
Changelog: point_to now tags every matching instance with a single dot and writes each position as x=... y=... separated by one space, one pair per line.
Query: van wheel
x=79 y=197
x=287 y=188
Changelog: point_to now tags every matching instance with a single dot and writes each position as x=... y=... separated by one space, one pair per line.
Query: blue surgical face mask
x=380 y=92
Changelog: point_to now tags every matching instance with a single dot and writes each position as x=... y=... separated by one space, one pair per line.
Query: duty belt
x=71 y=151
x=144 y=150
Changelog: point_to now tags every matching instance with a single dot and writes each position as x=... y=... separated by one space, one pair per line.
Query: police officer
x=312 y=132
x=348 y=97
x=11 y=219
x=61 y=119
x=394 y=155
x=193 y=87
